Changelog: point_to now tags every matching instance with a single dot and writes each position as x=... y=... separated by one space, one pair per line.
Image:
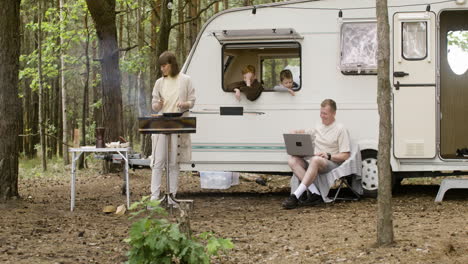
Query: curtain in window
x=359 y=46
x=414 y=40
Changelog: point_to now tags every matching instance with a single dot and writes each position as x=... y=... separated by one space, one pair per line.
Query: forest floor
x=39 y=227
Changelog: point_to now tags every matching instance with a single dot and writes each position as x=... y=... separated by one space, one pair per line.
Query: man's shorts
x=331 y=165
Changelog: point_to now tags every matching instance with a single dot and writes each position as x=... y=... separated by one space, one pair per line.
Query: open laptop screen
x=299 y=144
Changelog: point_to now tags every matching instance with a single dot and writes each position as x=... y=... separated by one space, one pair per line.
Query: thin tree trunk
x=9 y=101
x=155 y=21
x=131 y=87
x=47 y=118
x=84 y=108
x=121 y=25
x=28 y=110
x=66 y=159
x=216 y=8
x=192 y=26
x=180 y=49
x=226 y=4
x=54 y=109
x=36 y=139
x=384 y=203
x=97 y=92
x=41 y=91
x=143 y=94
x=28 y=99
x=273 y=73
x=164 y=32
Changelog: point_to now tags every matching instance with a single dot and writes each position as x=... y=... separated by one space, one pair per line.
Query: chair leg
x=345 y=183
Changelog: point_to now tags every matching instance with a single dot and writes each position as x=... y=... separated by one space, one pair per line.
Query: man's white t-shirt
x=331 y=139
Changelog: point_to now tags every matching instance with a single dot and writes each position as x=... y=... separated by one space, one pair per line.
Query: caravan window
x=414 y=40
x=358 y=48
x=269 y=59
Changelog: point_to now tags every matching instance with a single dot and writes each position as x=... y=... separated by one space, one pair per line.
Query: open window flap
x=225 y=36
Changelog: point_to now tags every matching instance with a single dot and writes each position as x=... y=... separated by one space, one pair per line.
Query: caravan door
x=414 y=85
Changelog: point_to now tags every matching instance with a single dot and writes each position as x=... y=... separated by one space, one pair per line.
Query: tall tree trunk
x=180 y=49
x=66 y=159
x=103 y=13
x=121 y=25
x=41 y=91
x=28 y=110
x=97 y=92
x=164 y=32
x=273 y=73
x=130 y=127
x=27 y=46
x=384 y=203
x=226 y=4
x=35 y=123
x=56 y=120
x=192 y=26
x=47 y=119
x=9 y=100
x=216 y=8
x=84 y=109
x=155 y=21
x=143 y=94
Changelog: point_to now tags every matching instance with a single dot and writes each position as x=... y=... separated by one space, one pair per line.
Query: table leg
x=127 y=181
x=75 y=157
x=73 y=177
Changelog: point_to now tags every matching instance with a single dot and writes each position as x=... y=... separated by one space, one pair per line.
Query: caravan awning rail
x=225 y=36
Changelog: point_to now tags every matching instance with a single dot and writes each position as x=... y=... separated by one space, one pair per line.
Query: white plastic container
x=218 y=179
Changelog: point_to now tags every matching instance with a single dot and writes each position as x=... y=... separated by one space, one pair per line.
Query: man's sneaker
x=291 y=202
x=312 y=200
x=304 y=196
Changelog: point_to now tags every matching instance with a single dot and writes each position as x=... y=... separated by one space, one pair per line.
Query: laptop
x=299 y=144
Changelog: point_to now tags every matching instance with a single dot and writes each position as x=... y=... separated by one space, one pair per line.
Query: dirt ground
x=39 y=227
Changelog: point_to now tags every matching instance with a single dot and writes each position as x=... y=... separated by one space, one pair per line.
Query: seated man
x=332 y=147
x=250 y=86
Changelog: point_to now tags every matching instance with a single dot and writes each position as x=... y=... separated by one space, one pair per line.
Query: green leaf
x=212 y=246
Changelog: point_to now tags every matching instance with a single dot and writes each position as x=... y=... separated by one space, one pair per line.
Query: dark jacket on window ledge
x=252 y=92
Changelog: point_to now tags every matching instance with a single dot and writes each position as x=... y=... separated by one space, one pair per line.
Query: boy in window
x=250 y=86
x=286 y=83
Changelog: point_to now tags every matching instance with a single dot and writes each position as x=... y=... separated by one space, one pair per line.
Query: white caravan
x=330 y=46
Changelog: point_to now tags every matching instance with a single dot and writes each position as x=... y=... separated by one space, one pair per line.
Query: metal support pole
x=72 y=202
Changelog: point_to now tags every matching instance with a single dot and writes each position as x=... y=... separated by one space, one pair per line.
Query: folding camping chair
x=348 y=174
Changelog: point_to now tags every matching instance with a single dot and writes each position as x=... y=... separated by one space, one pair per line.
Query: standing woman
x=171 y=93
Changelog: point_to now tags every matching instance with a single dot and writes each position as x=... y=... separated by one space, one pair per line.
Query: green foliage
x=156 y=240
x=458 y=38
x=31 y=168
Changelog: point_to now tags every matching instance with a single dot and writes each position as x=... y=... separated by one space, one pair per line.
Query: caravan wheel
x=370 y=173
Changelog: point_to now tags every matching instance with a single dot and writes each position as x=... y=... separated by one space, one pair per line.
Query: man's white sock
x=300 y=190
x=313 y=189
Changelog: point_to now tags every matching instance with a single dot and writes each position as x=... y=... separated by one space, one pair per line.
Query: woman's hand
x=238 y=94
x=183 y=105
x=159 y=104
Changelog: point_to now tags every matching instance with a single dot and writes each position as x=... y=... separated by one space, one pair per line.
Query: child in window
x=250 y=86
x=286 y=83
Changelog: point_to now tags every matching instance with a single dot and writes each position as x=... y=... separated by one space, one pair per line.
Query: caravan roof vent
x=224 y=36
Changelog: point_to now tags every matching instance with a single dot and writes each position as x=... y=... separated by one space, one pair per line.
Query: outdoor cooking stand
x=167 y=126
